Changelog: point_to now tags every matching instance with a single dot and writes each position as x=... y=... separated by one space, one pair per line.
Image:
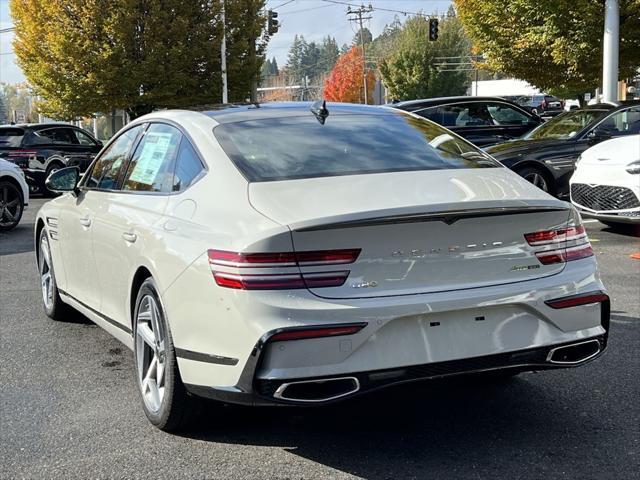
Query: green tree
x=410 y=69
x=295 y=58
x=329 y=53
x=19 y=98
x=555 y=45
x=367 y=37
x=84 y=56
x=3 y=109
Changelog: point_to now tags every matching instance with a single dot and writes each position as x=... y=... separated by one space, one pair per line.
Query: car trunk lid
x=418 y=232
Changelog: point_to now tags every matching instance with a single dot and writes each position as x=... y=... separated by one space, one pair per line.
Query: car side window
x=151 y=167
x=56 y=136
x=504 y=114
x=624 y=122
x=84 y=139
x=107 y=169
x=465 y=115
x=188 y=166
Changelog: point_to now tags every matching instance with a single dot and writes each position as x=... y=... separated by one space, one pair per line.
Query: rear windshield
x=347 y=144
x=11 y=137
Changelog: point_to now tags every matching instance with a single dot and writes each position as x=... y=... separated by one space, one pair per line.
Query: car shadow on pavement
x=425 y=430
x=18 y=240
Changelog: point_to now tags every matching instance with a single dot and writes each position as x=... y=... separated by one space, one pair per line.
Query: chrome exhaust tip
x=574 y=353
x=310 y=391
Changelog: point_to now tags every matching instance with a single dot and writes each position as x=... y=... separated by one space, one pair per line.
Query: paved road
x=69 y=407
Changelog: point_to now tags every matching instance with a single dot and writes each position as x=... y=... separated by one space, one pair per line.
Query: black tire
x=55 y=309
x=11 y=205
x=176 y=406
x=539 y=178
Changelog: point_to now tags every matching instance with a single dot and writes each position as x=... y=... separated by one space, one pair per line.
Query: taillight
x=316 y=332
x=560 y=245
x=280 y=270
x=22 y=153
x=580 y=299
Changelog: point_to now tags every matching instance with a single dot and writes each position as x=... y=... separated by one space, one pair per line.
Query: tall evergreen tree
x=329 y=53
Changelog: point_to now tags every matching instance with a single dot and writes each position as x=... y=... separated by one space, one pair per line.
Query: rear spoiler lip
x=448 y=216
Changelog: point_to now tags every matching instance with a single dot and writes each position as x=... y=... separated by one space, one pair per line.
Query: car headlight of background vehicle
x=634 y=167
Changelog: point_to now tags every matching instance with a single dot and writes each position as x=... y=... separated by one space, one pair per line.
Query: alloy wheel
x=10 y=206
x=150 y=353
x=538 y=180
x=46 y=279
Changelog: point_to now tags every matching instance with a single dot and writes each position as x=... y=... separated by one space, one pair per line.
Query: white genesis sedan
x=606 y=183
x=294 y=254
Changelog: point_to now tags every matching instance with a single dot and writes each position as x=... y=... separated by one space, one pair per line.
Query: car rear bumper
x=406 y=339
x=274 y=391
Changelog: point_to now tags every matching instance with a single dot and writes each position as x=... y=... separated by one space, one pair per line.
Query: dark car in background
x=39 y=149
x=543 y=105
x=547 y=155
x=481 y=120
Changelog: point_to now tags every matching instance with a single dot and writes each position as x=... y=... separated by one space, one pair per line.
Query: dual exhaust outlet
x=326 y=389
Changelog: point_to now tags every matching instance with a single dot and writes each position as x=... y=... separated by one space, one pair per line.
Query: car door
x=77 y=221
x=129 y=223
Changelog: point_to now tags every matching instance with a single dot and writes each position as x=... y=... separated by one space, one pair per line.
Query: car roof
x=38 y=126
x=243 y=112
x=432 y=102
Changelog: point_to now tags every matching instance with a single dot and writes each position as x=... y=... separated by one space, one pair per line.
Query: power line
x=7 y=30
x=283 y=4
x=403 y=12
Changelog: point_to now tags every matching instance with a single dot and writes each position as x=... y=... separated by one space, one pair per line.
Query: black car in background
x=547 y=155
x=481 y=120
x=543 y=105
x=41 y=148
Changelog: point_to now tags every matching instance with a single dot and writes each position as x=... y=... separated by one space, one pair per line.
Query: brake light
x=555 y=236
x=562 y=245
x=316 y=332
x=280 y=270
x=576 y=300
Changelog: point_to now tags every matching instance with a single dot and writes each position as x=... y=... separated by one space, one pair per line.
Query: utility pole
x=610 y=46
x=223 y=57
x=358 y=16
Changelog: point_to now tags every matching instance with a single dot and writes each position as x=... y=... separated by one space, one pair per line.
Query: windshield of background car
x=565 y=126
x=285 y=148
x=11 y=137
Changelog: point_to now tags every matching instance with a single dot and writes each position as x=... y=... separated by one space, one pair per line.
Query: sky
x=314 y=19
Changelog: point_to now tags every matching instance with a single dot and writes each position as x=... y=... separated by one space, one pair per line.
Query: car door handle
x=85 y=222
x=129 y=237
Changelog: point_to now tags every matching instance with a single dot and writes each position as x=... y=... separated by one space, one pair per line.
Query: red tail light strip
x=319 y=332
x=580 y=299
x=546 y=237
x=280 y=281
x=288 y=278
x=565 y=255
x=283 y=259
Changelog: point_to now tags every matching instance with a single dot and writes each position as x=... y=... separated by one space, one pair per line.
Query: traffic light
x=272 y=24
x=433 y=29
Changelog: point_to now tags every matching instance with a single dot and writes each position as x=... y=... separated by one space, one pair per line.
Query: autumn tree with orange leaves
x=345 y=82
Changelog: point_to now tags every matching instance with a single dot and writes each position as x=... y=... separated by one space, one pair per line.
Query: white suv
x=14 y=195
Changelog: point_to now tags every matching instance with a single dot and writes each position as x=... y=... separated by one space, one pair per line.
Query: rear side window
x=83 y=138
x=503 y=114
x=55 y=136
x=107 y=169
x=11 y=137
x=151 y=167
x=188 y=166
x=347 y=144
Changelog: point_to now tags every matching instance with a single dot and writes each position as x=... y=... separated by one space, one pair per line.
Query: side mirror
x=63 y=180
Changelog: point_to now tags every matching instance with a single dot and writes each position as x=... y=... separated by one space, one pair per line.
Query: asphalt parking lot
x=69 y=406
